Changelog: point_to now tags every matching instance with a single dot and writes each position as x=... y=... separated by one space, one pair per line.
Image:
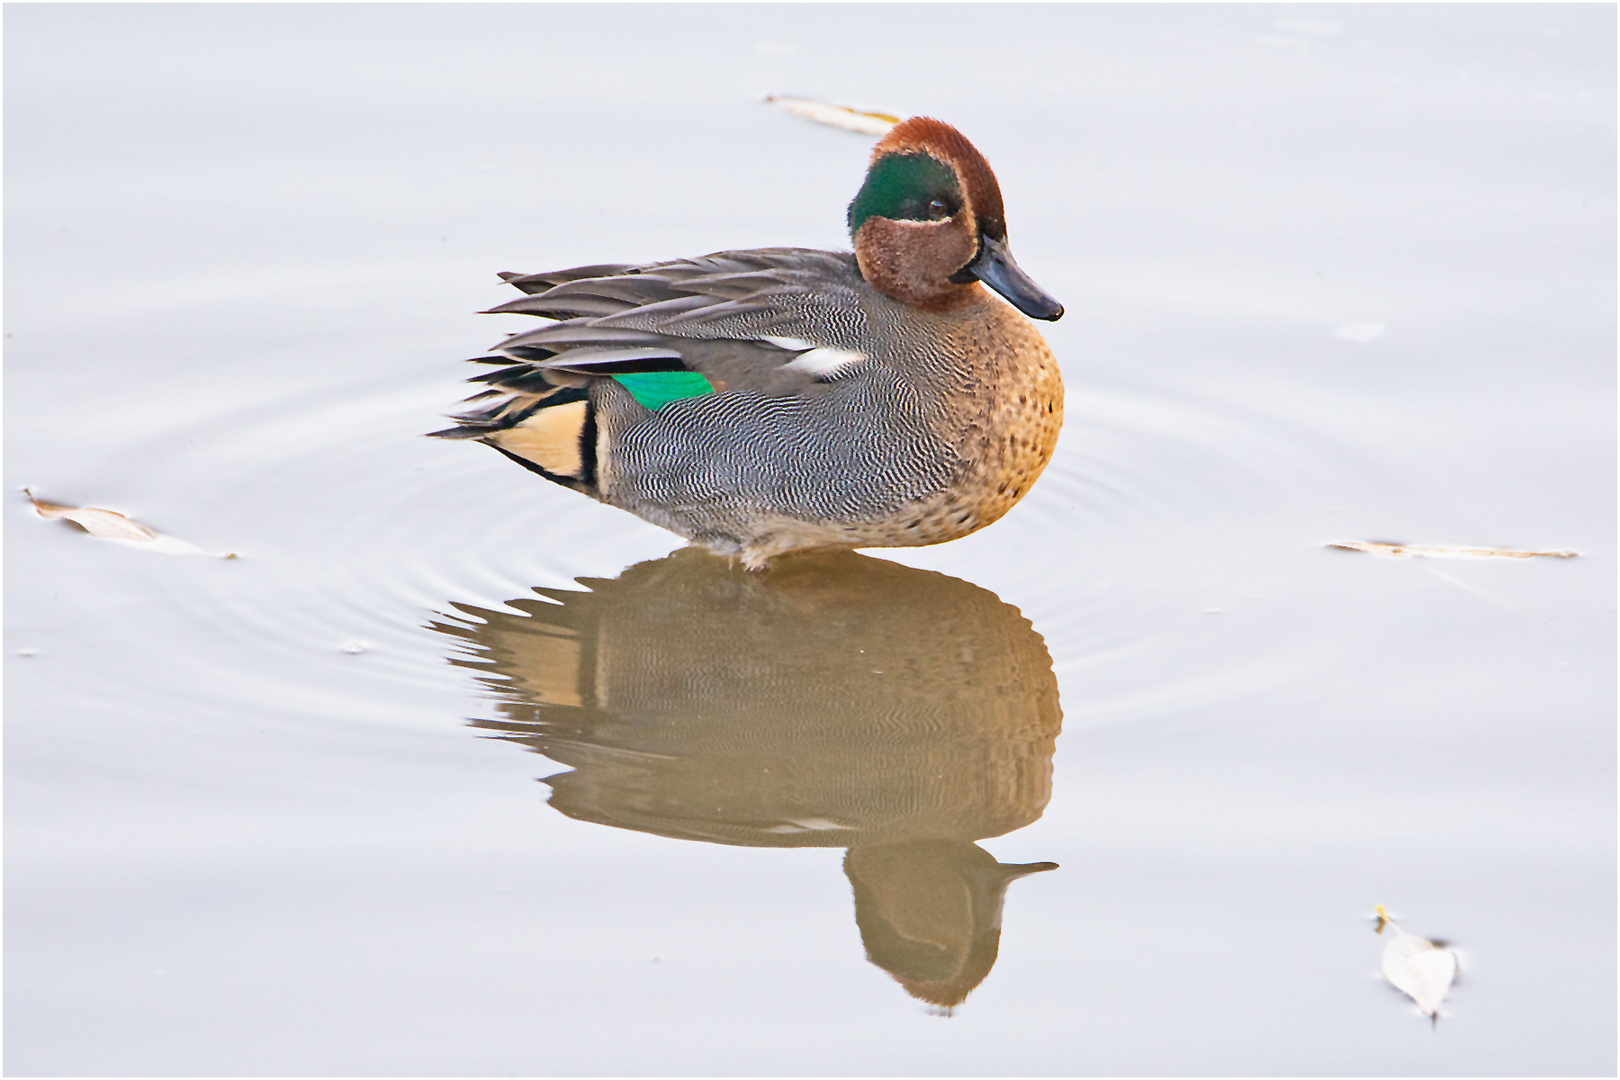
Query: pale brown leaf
x=111 y=525
x=1417 y=551
x=838 y=116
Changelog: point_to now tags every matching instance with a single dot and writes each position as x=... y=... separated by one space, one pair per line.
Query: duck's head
x=928 y=224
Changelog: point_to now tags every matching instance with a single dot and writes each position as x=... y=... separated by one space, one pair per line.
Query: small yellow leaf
x=1416 y=551
x=838 y=116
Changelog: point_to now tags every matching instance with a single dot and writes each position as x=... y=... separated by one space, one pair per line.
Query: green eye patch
x=900 y=187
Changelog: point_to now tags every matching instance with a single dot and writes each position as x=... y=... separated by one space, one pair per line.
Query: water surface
x=1331 y=273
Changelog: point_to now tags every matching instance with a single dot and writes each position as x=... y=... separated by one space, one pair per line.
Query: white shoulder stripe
x=824 y=361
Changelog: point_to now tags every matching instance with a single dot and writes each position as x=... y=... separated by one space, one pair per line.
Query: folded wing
x=773 y=320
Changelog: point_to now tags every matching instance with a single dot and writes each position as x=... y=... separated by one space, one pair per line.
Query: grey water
x=453 y=771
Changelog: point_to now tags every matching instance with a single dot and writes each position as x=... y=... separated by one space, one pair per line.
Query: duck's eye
x=938 y=209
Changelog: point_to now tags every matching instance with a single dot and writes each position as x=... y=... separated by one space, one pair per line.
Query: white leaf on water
x=838 y=116
x=1416 y=551
x=1421 y=969
x=111 y=525
x=1360 y=332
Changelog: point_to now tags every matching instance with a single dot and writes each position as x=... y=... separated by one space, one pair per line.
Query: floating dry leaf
x=1421 y=969
x=838 y=116
x=1415 y=551
x=111 y=525
x=104 y=524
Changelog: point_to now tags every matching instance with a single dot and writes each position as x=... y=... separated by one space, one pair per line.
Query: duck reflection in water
x=839 y=701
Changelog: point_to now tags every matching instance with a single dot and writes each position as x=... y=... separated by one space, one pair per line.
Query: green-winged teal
x=766 y=401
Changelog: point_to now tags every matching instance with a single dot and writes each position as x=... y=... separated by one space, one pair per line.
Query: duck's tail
x=547 y=428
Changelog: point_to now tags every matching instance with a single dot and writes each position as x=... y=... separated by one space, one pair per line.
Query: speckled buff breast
x=766 y=401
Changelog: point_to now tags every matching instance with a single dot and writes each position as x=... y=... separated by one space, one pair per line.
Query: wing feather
x=743 y=319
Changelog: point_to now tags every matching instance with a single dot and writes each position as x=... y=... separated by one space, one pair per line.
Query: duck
x=774 y=400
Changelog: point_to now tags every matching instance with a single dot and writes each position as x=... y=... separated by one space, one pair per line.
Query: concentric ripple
x=353 y=530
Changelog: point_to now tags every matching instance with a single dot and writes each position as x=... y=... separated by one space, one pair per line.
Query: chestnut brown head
x=928 y=224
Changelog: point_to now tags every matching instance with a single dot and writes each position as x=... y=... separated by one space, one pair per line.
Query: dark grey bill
x=996 y=268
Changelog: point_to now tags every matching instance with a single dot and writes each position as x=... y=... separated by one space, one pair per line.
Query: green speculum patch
x=901 y=187
x=657 y=388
